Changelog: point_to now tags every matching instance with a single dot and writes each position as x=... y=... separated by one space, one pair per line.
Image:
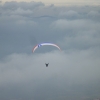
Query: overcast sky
x=62 y=2
x=73 y=73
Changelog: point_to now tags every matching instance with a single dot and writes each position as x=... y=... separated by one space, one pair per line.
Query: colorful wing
x=43 y=44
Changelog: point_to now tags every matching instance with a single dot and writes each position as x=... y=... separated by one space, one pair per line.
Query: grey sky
x=73 y=74
x=62 y=2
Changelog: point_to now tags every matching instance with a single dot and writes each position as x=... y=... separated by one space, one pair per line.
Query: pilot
x=46 y=64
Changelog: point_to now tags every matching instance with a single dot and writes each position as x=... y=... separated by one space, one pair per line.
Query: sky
x=73 y=73
x=61 y=2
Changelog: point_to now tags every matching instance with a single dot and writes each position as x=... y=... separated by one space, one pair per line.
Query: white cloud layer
x=73 y=73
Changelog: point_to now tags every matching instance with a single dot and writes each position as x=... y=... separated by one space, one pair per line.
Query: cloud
x=68 y=25
x=81 y=41
x=69 y=14
x=24 y=5
x=66 y=70
x=72 y=74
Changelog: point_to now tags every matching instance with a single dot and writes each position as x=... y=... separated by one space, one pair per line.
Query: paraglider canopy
x=43 y=44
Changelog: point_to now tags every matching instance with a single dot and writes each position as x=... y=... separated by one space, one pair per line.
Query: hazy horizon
x=60 y=3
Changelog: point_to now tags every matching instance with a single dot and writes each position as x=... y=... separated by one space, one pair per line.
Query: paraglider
x=43 y=44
